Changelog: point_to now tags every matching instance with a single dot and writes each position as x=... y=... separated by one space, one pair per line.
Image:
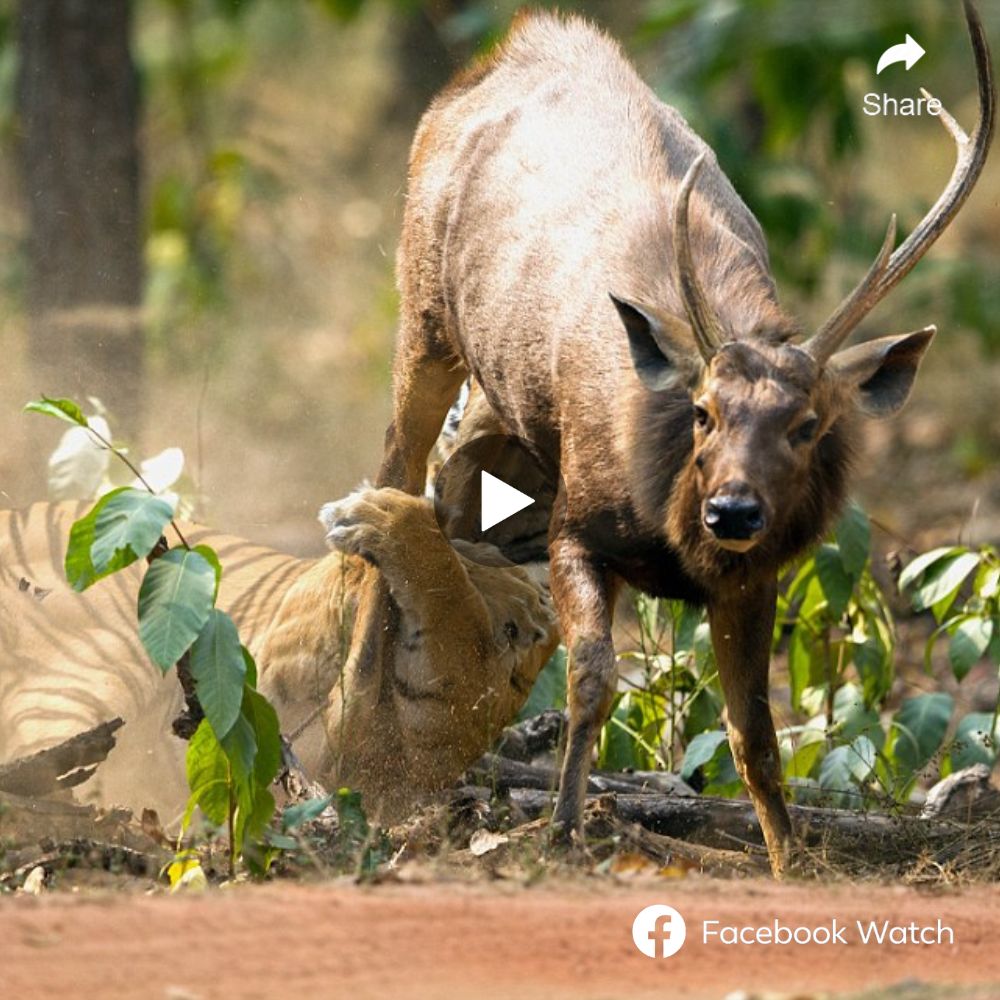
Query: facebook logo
x=659 y=931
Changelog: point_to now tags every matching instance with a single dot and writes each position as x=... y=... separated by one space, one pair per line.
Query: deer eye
x=701 y=417
x=806 y=431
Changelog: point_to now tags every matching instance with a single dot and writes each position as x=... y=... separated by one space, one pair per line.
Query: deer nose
x=733 y=518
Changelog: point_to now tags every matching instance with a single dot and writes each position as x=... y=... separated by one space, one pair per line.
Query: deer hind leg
x=584 y=597
x=741 y=637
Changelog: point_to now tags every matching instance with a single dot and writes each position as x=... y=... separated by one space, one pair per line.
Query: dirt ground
x=454 y=941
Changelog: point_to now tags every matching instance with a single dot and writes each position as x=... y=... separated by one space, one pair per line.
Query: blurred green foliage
x=836 y=633
x=774 y=86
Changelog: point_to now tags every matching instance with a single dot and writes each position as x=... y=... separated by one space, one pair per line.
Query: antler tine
x=701 y=316
x=971 y=156
x=850 y=312
x=946 y=119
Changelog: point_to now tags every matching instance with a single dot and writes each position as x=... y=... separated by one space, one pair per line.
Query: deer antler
x=888 y=271
x=704 y=322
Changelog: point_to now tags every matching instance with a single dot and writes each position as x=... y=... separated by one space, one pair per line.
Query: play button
x=498 y=490
x=498 y=501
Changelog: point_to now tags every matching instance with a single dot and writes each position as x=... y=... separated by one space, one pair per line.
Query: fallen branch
x=503 y=774
x=63 y=766
x=531 y=737
x=81 y=853
x=727 y=824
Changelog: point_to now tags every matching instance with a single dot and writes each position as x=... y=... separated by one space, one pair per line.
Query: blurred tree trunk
x=77 y=103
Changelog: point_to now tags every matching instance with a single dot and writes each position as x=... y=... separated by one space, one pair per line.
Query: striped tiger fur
x=466 y=640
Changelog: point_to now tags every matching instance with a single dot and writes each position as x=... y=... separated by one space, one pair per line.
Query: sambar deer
x=574 y=246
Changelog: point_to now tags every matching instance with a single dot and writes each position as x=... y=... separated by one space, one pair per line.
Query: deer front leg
x=742 y=624
x=584 y=596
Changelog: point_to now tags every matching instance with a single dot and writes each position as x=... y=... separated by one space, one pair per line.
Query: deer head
x=763 y=406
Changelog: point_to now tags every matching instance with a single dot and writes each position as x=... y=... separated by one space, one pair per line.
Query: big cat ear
x=660 y=345
x=883 y=370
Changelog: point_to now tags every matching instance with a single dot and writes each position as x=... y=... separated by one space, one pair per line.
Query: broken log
x=503 y=774
x=63 y=766
x=965 y=795
x=530 y=737
x=727 y=824
x=81 y=852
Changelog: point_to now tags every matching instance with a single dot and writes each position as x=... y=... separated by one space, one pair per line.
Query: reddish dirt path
x=454 y=942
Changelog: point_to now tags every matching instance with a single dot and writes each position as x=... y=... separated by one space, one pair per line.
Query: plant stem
x=231 y=822
x=829 y=683
x=674 y=624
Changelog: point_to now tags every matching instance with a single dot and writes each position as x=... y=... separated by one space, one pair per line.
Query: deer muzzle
x=735 y=517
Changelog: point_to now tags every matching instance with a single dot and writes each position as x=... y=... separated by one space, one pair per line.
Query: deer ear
x=883 y=370
x=659 y=345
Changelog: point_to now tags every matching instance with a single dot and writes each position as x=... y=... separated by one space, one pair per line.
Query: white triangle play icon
x=499 y=501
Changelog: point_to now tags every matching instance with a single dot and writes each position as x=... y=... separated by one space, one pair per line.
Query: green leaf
x=847 y=768
x=969 y=643
x=61 y=409
x=353 y=821
x=620 y=749
x=704 y=652
x=703 y=712
x=549 y=689
x=212 y=558
x=268 y=731
x=836 y=582
x=918 y=731
x=254 y=742
x=79 y=568
x=871 y=645
x=300 y=814
x=175 y=600
x=240 y=745
x=207 y=776
x=806 y=755
x=805 y=663
x=128 y=524
x=941 y=581
x=218 y=669
x=700 y=751
x=853 y=534
x=250 y=666
x=123 y=526
x=988 y=582
x=688 y=617
x=721 y=777
x=853 y=718
x=253 y=749
x=993 y=652
x=974 y=743
x=922 y=563
x=280 y=841
x=255 y=807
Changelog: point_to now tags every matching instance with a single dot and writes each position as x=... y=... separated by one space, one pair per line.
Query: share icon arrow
x=908 y=52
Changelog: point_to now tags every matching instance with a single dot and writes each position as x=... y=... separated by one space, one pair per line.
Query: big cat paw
x=370 y=521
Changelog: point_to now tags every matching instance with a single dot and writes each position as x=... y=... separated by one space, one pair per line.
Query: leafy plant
x=960 y=586
x=235 y=753
x=835 y=618
x=672 y=689
x=836 y=629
